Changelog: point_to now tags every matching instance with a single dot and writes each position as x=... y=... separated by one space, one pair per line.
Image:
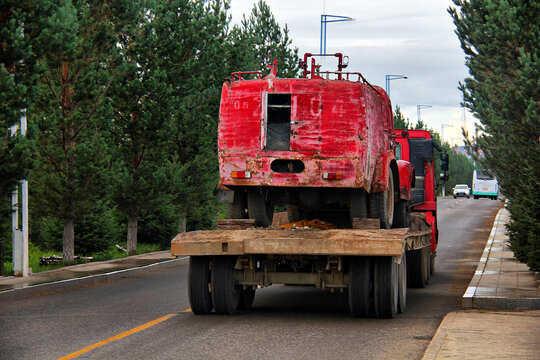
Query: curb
x=14 y=294
x=471 y=299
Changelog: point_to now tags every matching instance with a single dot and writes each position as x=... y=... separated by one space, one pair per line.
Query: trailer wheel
x=385 y=287
x=225 y=292
x=199 y=294
x=259 y=208
x=402 y=286
x=416 y=268
x=381 y=204
x=247 y=296
x=237 y=210
x=360 y=287
x=401 y=215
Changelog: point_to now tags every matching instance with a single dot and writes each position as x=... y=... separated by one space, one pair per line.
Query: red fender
x=405 y=170
x=380 y=176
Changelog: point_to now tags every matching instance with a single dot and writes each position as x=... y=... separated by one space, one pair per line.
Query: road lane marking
x=118 y=337
x=187 y=310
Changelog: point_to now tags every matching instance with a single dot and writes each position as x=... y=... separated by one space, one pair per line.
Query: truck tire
x=199 y=279
x=385 y=287
x=401 y=215
x=237 y=209
x=416 y=268
x=259 y=208
x=381 y=204
x=225 y=292
x=358 y=204
x=247 y=296
x=360 y=286
x=427 y=260
x=402 y=286
x=432 y=263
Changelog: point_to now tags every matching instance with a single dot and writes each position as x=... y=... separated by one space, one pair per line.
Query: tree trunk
x=69 y=240
x=132 y=233
x=182 y=227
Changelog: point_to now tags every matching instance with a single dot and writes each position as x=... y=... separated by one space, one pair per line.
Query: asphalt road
x=287 y=322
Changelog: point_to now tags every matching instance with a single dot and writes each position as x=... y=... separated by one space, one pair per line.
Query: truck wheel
x=259 y=208
x=237 y=209
x=247 y=296
x=385 y=287
x=416 y=268
x=402 y=285
x=381 y=204
x=358 y=204
x=225 y=292
x=360 y=287
x=401 y=215
x=198 y=284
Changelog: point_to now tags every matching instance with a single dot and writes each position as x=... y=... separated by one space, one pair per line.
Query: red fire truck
x=323 y=146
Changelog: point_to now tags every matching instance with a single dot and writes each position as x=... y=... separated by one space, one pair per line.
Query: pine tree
x=501 y=41
x=399 y=120
x=165 y=104
x=72 y=107
x=266 y=41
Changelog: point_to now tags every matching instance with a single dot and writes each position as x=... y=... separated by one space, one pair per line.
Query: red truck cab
x=417 y=147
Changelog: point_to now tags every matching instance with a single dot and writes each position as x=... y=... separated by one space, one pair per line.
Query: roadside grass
x=34 y=254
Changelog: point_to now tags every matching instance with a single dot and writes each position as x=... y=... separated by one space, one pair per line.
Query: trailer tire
x=385 y=287
x=401 y=215
x=247 y=296
x=360 y=286
x=199 y=279
x=259 y=208
x=416 y=268
x=402 y=287
x=237 y=209
x=381 y=204
x=225 y=292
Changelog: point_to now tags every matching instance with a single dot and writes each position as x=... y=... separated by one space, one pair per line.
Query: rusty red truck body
x=323 y=147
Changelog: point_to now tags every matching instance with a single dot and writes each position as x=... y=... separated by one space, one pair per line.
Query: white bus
x=484 y=185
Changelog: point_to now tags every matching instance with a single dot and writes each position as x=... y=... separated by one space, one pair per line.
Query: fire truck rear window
x=278 y=122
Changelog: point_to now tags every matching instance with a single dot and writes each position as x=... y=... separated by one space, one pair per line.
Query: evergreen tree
x=501 y=41
x=266 y=41
x=72 y=108
x=165 y=104
x=399 y=120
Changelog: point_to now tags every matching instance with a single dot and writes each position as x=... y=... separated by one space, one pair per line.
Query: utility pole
x=20 y=235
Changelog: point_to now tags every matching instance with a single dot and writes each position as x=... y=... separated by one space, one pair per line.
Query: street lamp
x=324 y=21
x=443 y=126
x=420 y=107
x=393 y=77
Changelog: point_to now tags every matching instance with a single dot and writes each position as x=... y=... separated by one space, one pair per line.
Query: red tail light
x=241 y=175
x=332 y=176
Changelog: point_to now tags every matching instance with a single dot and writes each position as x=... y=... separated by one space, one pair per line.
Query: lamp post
x=443 y=126
x=393 y=77
x=420 y=107
x=324 y=21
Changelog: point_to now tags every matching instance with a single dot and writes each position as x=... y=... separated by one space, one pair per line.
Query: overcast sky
x=415 y=38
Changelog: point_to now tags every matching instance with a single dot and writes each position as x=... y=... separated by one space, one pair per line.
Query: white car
x=462 y=190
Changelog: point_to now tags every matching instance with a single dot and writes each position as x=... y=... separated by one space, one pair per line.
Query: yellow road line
x=119 y=336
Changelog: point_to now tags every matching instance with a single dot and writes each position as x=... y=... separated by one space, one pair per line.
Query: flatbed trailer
x=228 y=266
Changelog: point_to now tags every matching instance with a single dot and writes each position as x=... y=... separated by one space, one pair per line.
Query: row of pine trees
x=122 y=103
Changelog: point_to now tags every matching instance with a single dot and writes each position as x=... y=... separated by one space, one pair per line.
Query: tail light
x=241 y=175
x=332 y=176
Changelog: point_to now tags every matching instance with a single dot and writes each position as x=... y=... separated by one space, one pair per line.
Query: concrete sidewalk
x=485 y=330
x=12 y=287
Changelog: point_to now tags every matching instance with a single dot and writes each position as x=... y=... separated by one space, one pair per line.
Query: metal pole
x=24 y=199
